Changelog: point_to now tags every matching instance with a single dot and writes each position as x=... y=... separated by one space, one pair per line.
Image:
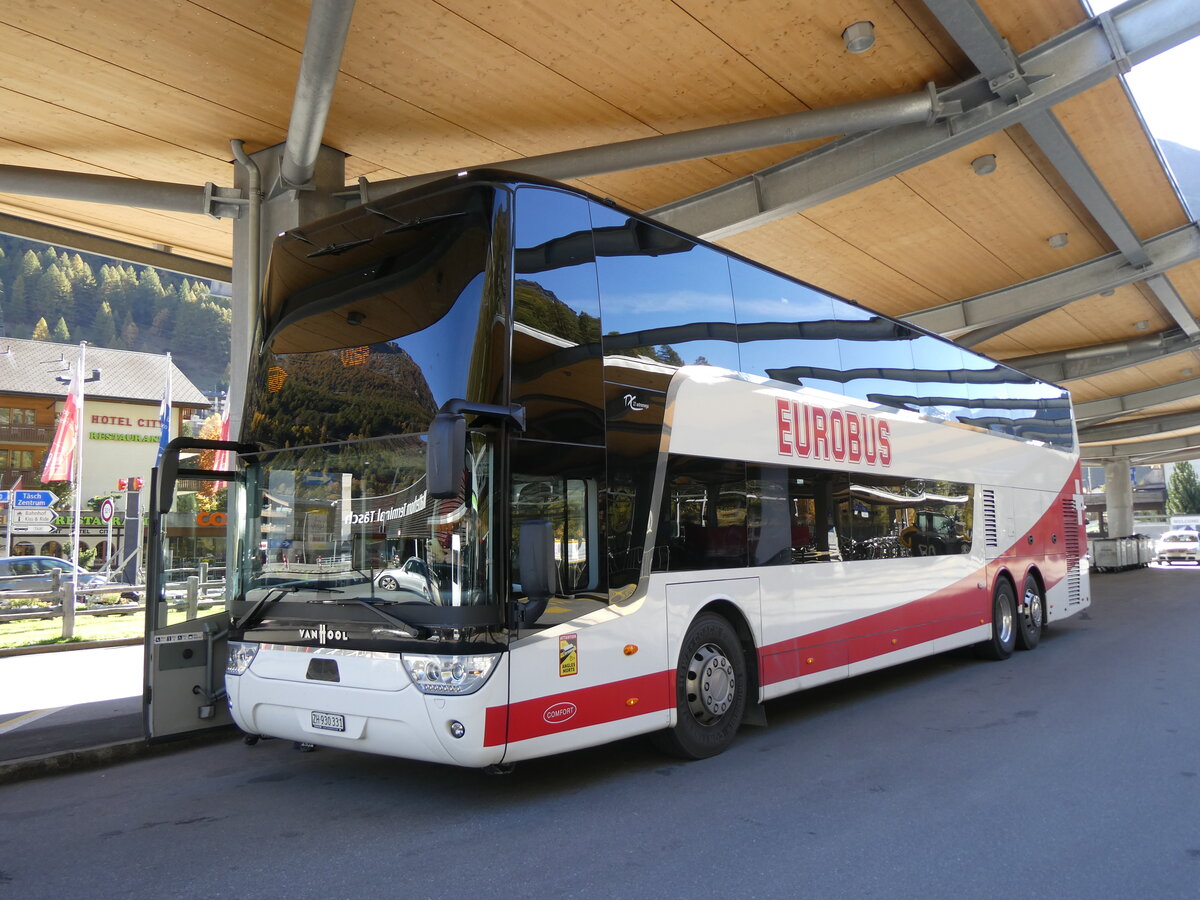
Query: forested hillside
x=51 y=294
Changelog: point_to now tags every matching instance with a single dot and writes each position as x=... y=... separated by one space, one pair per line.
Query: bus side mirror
x=444 y=455
x=167 y=474
x=537 y=570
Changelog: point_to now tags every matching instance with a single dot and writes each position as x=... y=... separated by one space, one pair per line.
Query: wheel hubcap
x=1006 y=621
x=1033 y=608
x=710 y=684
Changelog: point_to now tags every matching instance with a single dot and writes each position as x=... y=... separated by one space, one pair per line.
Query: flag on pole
x=164 y=415
x=60 y=458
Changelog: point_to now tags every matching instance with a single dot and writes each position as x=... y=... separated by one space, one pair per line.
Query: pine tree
x=30 y=264
x=53 y=295
x=104 y=328
x=1183 y=491
x=61 y=333
x=41 y=331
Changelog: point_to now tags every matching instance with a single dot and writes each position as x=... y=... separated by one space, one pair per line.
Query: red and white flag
x=60 y=458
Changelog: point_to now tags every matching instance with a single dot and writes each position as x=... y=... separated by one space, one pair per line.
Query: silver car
x=34 y=573
x=1178 y=545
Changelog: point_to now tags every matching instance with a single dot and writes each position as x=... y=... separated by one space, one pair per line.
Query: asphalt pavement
x=82 y=707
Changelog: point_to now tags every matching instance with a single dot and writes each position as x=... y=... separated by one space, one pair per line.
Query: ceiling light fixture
x=984 y=165
x=1142 y=325
x=1058 y=241
x=1108 y=293
x=859 y=37
x=354 y=317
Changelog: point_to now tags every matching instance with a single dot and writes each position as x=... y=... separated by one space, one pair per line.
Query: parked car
x=33 y=573
x=412 y=577
x=1178 y=545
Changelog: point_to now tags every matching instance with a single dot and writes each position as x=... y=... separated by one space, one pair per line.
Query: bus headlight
x=240 y=657
x=449 y=674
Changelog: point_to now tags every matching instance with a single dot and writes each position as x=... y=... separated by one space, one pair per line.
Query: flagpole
x=77 y=474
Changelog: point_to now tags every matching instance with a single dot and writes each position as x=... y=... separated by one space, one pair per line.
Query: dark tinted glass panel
x=786 y=331
x=562 y=485
x=634 y=431
x=876 y=357
x=662 y=298
x=556 y=349
x=812 y=514
x=885 y=517
x=703 y=520
x=768 y=516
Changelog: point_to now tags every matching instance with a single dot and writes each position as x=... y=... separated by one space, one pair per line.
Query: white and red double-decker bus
x=521 y=472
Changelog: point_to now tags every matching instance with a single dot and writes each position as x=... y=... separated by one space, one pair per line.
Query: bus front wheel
x=710 y=691
x=1032 y=616
x=1004 y=618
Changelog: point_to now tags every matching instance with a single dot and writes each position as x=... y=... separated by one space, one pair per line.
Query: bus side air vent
x=1071 y=549
x=991 y=533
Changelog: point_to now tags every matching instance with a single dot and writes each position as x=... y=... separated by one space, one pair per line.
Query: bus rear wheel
x=1004 y=616
x=1031 y=618
x=710 y=691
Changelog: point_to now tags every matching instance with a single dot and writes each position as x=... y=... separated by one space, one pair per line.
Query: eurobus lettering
x=520 y=472
x=813 y=432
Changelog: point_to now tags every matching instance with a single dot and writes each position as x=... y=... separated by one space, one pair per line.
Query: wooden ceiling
x=157 y=90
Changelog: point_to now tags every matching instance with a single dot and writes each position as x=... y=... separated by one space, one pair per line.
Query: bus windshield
x=370 y=327
x=351 y=521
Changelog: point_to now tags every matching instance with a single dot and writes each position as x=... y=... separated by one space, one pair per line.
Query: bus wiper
x=255 y=615
x=415 y=630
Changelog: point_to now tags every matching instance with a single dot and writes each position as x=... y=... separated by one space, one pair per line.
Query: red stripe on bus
x=596 y=705
x=950 y=610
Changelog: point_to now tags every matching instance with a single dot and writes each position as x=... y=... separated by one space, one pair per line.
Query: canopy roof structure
x=979 y=169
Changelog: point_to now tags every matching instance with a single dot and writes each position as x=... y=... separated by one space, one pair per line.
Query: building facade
x=123 y=394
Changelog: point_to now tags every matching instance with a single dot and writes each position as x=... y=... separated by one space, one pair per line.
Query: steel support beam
x=1057 y=70
x=188 y=198
x=1142 y=452
x=102 y=246
x=1095 y=411
x=328 y=25
x=993 y=58
x=1139 y=428
x=1087 y=362
x=1049 y=292
x=924 y=107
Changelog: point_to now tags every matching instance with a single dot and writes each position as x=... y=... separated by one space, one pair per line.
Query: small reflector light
x=630 y=649
x=632 y=701
x=457 y=729
x=811 y=660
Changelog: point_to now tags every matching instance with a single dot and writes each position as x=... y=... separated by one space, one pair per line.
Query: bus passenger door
x=190 y=556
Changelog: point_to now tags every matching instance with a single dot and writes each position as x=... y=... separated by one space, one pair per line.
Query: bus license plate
x=328 y=721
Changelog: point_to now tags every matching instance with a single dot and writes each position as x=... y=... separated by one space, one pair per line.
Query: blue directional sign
x=4 y=496
x=32 y=499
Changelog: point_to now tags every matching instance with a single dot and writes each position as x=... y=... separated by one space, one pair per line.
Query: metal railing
x=192 y=593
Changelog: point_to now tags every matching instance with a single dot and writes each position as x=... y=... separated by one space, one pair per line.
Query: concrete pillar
x=1118 y=495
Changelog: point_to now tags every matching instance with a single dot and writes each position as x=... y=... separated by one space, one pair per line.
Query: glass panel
x=561 y=484
x=812 y=505
x=662 y=297
x=886 y=517
x=349 y=360
x=786 y=331
x=876 y=356
x=340 y=523
x=938 y=378
x=556 y=349
x=768 y=516
x=703 y=520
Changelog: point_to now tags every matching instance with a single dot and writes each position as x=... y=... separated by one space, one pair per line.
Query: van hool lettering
x=813 y=432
